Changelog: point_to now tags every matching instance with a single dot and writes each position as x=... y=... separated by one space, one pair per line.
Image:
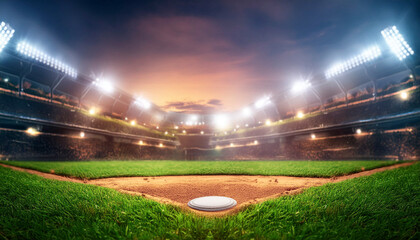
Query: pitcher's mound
x=212 y=203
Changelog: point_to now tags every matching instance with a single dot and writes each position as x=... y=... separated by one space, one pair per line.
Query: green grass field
x=100 y=169
x=385 y=205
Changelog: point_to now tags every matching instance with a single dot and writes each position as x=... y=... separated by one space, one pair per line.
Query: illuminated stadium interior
x=209 y=119
x=377 y=74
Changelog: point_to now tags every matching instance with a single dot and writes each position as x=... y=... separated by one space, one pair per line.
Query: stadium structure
x=222 y=175
x=365 y=107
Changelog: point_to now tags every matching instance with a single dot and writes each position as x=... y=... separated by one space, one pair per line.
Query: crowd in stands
x=52 y=112
x=377 y=145
x=18 y=145
x=368 y=110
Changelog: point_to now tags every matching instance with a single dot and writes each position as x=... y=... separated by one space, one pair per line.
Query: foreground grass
x=382 y=206
x=100 y=169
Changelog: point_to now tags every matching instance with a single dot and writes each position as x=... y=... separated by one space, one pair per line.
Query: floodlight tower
x=104 y=86
x=371 y=54
x=36 y=55
x=301 y=86
x=39 y=56
x=6 y=33
x=400 y=48
x=142 y=103
x=263 y=102
x=366 y=56
x=117 y=99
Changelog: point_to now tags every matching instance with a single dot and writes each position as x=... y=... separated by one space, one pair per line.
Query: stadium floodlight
x=143 y=103
x=300 y=86
x=404 y=95
x=313 y=136
x=300 y=114
x=396 y=42
x=105 y=85
x=268 y=122
x=194 y=118
x=202 y=132
x=92 y=111
x=262 y=102
x=6 y=33
x=34 y=53
x=32 y=131
x=366 y=56
x=221 y=121
x=359 y=131
x=141 y=142
x=82 y=134
x=256 y=142
x=246 y=112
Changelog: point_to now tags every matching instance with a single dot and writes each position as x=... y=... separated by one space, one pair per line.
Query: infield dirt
x=178 y=190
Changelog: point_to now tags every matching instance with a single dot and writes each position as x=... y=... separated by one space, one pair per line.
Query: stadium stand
x=366 y=110
x=18 y=145
x=33 y=108
x=56 y=98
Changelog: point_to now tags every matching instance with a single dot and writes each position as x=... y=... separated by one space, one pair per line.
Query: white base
x=212 y=203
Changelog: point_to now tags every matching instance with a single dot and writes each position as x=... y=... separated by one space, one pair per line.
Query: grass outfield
x=100 y=169
x=385 y=205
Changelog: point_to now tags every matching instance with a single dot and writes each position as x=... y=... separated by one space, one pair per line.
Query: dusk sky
x=205 y=55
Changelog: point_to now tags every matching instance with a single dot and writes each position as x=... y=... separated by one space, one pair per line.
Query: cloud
x=187 y=58
x=216 y=102
x=200 y=106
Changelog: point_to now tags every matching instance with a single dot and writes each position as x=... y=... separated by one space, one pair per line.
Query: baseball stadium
x=209 y=120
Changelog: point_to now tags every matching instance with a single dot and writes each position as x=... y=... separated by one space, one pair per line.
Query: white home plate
x=212 y=203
